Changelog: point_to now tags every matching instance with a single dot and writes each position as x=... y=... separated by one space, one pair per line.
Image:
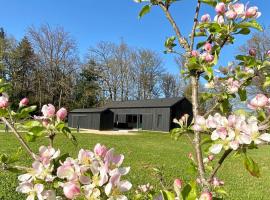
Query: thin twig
x=221 y=160
x=194 y=25
x=182 y=41
x=211 y=109
x=19 y=137
x=20 y=168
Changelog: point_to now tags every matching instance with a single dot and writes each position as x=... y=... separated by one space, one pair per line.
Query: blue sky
x=91 y=21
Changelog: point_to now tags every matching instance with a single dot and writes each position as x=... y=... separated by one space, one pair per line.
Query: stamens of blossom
x=206 y=196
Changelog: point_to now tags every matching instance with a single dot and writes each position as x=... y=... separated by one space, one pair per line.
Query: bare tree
x=148 y=69
x=58 y=61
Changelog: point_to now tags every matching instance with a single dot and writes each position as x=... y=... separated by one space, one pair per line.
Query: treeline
x=45 y=66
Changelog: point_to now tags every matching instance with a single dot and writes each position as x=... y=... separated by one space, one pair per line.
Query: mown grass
x=145 y=151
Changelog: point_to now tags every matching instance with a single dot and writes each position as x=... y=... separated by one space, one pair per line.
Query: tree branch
x=19 y=137
x=221 y=160
x=194 y=25
x=211 y=109
x=197 y=136
x=182 y=41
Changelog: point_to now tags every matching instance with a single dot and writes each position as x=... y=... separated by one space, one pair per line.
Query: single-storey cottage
x=152 y=114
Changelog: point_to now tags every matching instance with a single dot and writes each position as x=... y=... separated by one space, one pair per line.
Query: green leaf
x=266 y=82
x=212 y=3
x=242 y=94
x=169 y=43
x=189 y=192
x=32 y=123
x=66 y=131
x=146 y=9
x=244 y=31
x=251 y=166
x=36 y=131
x=225 y=106
x=167 y=195
x=250 y=24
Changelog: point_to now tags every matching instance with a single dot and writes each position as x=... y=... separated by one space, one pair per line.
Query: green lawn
x=148 y=150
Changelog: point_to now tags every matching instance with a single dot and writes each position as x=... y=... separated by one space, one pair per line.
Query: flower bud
x=252 y=52
x=3 y=101
x=206 y=196
x=207 y=47
x=206 y=18
x=219 y=19
x=220 y=8
x=268 y=53
x=177 y=185
x=100 y=150
x=61 y=114
x=48 y=110
x=231 y=14
x=253 y=12
x=211 y=157
x=209 y=58
x=194 y=53
x=24 y=102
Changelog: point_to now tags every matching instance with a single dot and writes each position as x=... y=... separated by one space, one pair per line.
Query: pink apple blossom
x=178 y=185
x=206 y=196
x=31 y=190
x=252 y=52
x=207 y=57
x=220 y=8
x=194 y=53
x=239 y=8
x=71 y=190
x=48 y=110
x=61 y=114
x=206 y=18
x=219 y=19
x=252 y=12
x=24 y=102
x=232 y=85
x=268 y=53
x=207 y=47
x=4 y=101
x=231 y=14
x=100 y=150
x=259 y=101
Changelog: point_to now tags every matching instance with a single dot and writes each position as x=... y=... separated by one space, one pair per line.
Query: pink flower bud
x=211 y=157
x=177 y=185
x=190 y=156
x=100 y=150
x=253 y=12
x=206 y=196
x=252 y=52
x=71 y=190
x=220 y=8
x=219 y=19
x=207 y=47
x=45 y=122
x=3 y=101
x=231 y=14
x=24 y=102
x=48 y=110
x=268 y=53
x=209 y=58
x=206 y=18
x=259 y=101
x=194 y=53
x=61 y=114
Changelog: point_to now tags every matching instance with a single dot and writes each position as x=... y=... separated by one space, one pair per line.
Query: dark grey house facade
x=154 y=114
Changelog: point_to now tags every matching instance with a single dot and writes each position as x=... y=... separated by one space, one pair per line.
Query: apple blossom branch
x=194 y=25
x=182 y=41
x=19 y=137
